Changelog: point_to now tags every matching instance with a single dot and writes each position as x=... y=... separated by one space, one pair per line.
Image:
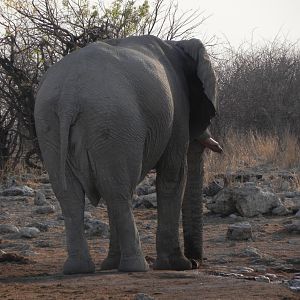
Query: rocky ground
x=252 y=244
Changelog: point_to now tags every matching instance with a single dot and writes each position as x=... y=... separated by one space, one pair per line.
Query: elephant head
x=203 y=93
x=196 y=50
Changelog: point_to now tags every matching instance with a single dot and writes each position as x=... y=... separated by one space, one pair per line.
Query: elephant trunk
x=192 y=210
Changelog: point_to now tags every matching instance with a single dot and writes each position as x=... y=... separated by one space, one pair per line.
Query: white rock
x=29 y=232
x=262 y=278
x=8 y=228
x=252 y=201
x=297 y=215
x=271 y=275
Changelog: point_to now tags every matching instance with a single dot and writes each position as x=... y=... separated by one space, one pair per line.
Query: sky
x=239 y=21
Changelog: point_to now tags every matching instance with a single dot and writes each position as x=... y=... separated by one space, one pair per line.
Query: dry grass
x=242 y=151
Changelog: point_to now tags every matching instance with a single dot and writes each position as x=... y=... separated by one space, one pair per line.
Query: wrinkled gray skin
x=107 y=114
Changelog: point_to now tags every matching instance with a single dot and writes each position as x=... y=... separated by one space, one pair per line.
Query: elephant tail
x=64 y=124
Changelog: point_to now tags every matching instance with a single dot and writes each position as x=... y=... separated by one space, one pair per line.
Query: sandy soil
x=41 y=277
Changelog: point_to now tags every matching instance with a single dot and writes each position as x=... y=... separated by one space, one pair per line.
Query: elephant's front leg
x=72 y=205
x=192 y=211
x=170 y=185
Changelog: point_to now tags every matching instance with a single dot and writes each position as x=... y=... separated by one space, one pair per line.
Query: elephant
x=106 y=115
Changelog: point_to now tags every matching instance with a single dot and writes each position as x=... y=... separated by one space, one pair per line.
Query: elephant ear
x=196 y=50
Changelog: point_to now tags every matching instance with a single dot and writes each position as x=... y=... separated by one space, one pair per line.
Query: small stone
x=271 y=276
x=292 y=204
x=239 y=231
x=294 y=260
x=87 y=215
x=8 y=228
x=4 y=215
x=142 y=296
x=213 y=188
x=244 y=270
x=233 y=216
x=294 y=227
x=148 y=201
x=29 y=232
x=252 y=252
x=40 y=199
x=146 y=239
x=260 y=268
x=18 y=191
x=97 y=228
x=43 y=244
x=280 y=210
x=297 y=215
x=29 y=253
x=45 y=209
x=44 y=179
x=290 y=194
x=60 y=217
x=40 y=226
x=294 y=242
x=222 y=203
x=262 y=278
x=294 y=285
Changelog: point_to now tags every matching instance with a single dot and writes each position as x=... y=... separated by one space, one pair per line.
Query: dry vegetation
x=252 y=149
x=259 y=87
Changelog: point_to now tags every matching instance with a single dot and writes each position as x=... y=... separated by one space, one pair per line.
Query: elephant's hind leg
x=170 y=183
x=72 y=205
x=124 y=234
x=117 y=179
x=112 y=261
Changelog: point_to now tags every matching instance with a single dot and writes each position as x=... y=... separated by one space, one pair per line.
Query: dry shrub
x=252 y=149
x=19 y=174
x=259 y=88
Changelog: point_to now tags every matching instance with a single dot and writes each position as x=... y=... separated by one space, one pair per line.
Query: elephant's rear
x=85 y=121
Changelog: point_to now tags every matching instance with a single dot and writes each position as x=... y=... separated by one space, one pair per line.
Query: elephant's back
x=121 y=93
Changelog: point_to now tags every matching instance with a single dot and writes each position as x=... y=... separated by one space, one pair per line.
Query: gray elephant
x=107 y=114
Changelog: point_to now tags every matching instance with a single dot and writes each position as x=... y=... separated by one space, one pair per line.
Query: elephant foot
x=177 y=263
x=135 y=263
x=110 y=263
x=194 y=255
x=78 y=266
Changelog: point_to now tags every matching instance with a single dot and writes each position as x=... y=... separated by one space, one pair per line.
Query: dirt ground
x=220 y=277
